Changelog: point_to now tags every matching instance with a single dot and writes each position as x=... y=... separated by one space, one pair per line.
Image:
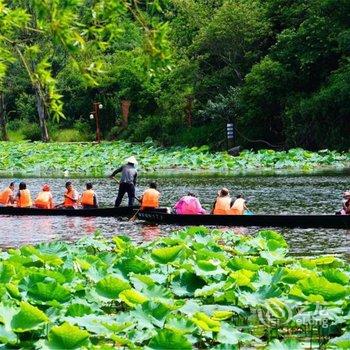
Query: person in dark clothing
x=127 y=182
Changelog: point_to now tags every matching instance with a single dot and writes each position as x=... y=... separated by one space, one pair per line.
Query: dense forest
x=177 y=71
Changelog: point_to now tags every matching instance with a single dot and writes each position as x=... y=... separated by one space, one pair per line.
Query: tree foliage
x=278 y=68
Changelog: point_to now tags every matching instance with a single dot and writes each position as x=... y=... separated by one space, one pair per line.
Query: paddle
x=135 y=215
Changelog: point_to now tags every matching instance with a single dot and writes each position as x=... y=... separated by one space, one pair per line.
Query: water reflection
x=274 y=194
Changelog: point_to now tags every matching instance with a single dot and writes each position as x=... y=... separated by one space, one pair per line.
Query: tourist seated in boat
x=222 y=203
x=88 y=198
x=189 y=204
x=345 y=203
x=44 y=200
x=150 y=197
x=23 y=197
x=7 y=196
x=71 y=196
x=239 y=206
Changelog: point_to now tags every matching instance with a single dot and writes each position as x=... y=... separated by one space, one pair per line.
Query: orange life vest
x=5 y=196
x=150 y=199
x=222 y=205
x=43 y=200
x=24 y=200
x=237 y=207
x=69 y=202
x=87 y=197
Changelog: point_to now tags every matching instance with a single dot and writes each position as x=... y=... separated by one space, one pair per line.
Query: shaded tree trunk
x=41 y=108
x=3 y=132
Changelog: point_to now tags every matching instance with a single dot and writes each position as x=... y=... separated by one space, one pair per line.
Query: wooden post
x=3 y=132
x=125 y=105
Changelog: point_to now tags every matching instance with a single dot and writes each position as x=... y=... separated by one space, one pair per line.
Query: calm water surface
x=273 y=194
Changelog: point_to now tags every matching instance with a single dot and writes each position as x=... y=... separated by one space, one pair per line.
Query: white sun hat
x=132 y=160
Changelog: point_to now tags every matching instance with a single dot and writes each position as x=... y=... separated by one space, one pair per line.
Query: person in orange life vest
x=71 y=196
x=150 y=198
x=44 y=199
x=88 y=198
x=189 y=205
x=23 y=198
x=222 y=203
x=7 y=196
x=239 y=206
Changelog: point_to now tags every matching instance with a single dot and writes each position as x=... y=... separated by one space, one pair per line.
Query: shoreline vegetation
x=195 y=289
x=36 y=159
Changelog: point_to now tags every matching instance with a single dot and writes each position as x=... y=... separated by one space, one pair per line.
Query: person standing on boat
x=44 y=199
x=88 y=197
x=23 y=198
x=71 y=196
x=150 y=198
x=222 y=203
x=189 y=205
x=7 y=195
x=127 y=182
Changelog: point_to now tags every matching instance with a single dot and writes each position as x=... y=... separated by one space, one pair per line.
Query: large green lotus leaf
x=208 y=268
x=242 y=277
x=78 y=310
x=239 y=263
x=28 y=318
x=13 y=291
x=7 y=336
x=294 y=275
x=110 y=287
x=132 y=297
x=150 y=314
x=229 y=334
x=209 y=290
x=206 y=323
x=275 y=257
x=180 y=324
x=342 y=342
x=158 y=293
x=320 y=261
x=274 y=240
x=47 y=291
x=321 y=286
x=141 y=281
x=67 y=337
x=289 y=344
x=336 y=276
x=185 y=284
x=7 y=271
x=167 y=339
x=167 y=254
x=135 y=265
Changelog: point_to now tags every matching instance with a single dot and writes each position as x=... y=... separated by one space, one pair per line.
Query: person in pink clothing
x=189 y=205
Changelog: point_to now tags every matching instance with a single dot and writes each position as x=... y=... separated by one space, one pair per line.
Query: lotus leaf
x=78 y=310
x=342 y=342
x=132 y=297
x=320 y=286
x=206 y=323
x=167 y=254
x=167 y=339
x=67 y=337
x=110 y=287
x=336 y=276
x=289 y=344
x=242 y=277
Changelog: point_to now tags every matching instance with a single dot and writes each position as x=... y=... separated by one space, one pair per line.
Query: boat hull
x=101 y=212
x=303 y=221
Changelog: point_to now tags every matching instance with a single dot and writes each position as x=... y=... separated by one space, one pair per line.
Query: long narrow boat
x=105 y=212
x=304 y=221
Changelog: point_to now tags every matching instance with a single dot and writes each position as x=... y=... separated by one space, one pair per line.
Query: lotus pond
x=195 y=289
x=87 y=159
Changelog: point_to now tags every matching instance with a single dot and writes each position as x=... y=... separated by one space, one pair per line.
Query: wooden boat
x=105 y=212
x=304 y=221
